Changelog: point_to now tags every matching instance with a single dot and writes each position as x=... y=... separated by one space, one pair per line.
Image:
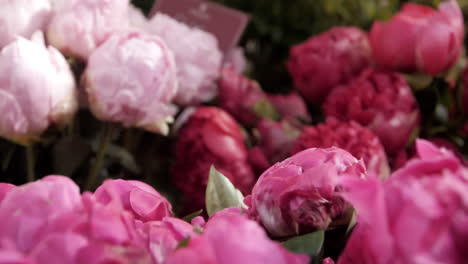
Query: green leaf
x=191 y=216
x=265 y=109
x=183 y=243
x=221 y=193
x=309 y=244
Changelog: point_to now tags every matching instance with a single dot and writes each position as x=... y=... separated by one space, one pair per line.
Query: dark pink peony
x=230 y=239
x=142 y=200
x=419 y=38
x=241 y=97
x=290 y=106
x=301 y=194
x=328 y=59
x=350 y=136
x=210 y=137
x=381 y=101
x=275 y=142
x=415 y=216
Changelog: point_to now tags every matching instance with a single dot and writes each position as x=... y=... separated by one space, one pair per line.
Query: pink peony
x=423 y=199
x=131 y=79
x=78 y=27
x=301 y=194
x=350 y=136
x=327 y=60
x=290 y=106
x=5 y=188
x=37 y=92
x=197 y=56
x=142 y=200
x=22 y=18
x=275 y=141
x=381 y=101
x=210 y=137
x=419 y=38
x=232 y=239
x=241 y=97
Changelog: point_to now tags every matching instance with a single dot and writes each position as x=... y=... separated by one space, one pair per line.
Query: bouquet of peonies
x=175 y=153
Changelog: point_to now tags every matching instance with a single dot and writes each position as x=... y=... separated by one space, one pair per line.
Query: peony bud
x=243 y=98
x=38 y=91
x=142 y=200
x=423 y=198
x=22 y=18
x=301 y=194
x=78 y=27
x=350 y=136
x=131 y=79
x=419 y=38
x=327 y=60
x=381 y=101
x=197 y=56
x=291 y=107
x=210 y=137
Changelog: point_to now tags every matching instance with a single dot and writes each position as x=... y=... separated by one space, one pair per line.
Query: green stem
x=105 y=140
x=30 y=162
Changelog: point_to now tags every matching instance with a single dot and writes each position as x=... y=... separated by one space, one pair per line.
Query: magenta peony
x=22 y=18
x=350 y=136
x=275 y=142
x=301 y=194
x=290 y=106
x=419 y=38
x=381 y=101
x=78 y=27
x=426 y=198
x=131 y=79
x=328 y=59
x=37 y=92
x=230 y=239
x=241 y=97
x=142 y=200
x=210 y=137
x=197 y=56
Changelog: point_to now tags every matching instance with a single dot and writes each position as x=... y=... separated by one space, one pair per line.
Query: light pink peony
x=145 y=203
x=415 y=216
x=301 y=194
x=37 y=92
x=350 y=136
x=136 y=18
x=241 y=97
x=232 y=239
x=22 y=18
x=197 y=56
x=381 y=101
x=78 y=27
x=290 y=106
x=210 y=137
x=327 y=60
x=131 y=79
x=419 y=38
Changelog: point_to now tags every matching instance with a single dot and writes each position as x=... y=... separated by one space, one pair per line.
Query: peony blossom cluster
x=49 y=221
x=209 y=137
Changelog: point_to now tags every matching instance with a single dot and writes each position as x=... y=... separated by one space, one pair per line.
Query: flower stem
x=30 y=162
x=106 y=138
